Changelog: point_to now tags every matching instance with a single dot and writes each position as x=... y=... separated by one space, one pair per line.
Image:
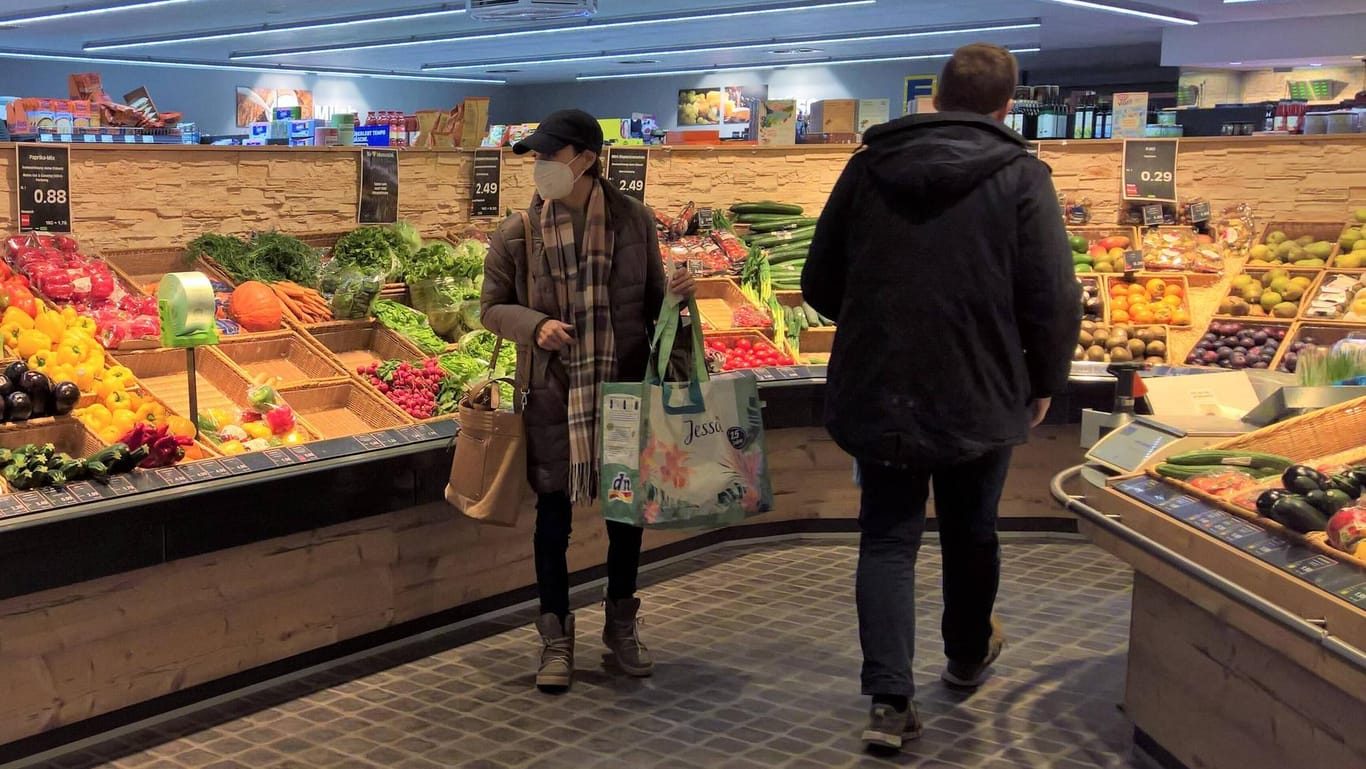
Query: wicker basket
x=341 y=407
x=1144 y=277
x=161 y=372
x=1258 y=324
x=283 y=355
x=1256 y=273
x=1093 y=233
x=717 y=301
x=68 y=435
x=1322 y=333
x=357 y=343
x=146 y=266
x=1329 y=231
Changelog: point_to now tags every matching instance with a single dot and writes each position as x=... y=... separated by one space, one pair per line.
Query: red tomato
x=743 y=344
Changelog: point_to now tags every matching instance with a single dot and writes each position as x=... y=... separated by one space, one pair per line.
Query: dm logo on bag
x=621 y=490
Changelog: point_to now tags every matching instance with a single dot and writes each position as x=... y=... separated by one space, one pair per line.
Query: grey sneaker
x=967 y=675
x=888 y=728
x=557 y=653
x=621 y=634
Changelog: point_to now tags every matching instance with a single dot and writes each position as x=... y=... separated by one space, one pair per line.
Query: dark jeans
x=554 y=519
x=892 y=519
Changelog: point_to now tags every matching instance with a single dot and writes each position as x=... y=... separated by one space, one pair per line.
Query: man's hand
x=1038 y=410
x=682 y=284
x=554 y=336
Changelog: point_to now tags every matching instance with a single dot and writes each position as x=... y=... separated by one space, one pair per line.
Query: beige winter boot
x=622 y=636
x=557 y=653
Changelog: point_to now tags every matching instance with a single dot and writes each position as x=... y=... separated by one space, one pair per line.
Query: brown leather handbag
x=489 y=473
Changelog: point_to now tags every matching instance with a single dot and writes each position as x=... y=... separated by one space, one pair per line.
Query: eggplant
x=1303 y=479
x=65 y=397
x=1346 y=484
x=1268 y=498
x=19 y=406
x=1298 y=515
x=1338 y=499
x=6 y=387
x=1320 y=501
x=15 y=370
x=1357 y=474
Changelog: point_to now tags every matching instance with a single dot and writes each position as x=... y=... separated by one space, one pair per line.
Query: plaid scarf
x=584 y=303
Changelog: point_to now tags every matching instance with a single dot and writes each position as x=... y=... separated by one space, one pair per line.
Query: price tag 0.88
x=44 y=186
x=1153 y=216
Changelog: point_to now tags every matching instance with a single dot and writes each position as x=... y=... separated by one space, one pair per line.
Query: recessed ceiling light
x=67 y=12
x=694 y=49
x=1316 y=65
x=795 y=51
x=1108 y=8
x=595 y=25
x=410 y=14
x=755 y=67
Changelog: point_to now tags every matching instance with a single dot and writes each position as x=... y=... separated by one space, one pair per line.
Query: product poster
x=1131 y=115
x=777 y=121
x=378 y=186
x=731 y=105
x=257 y=105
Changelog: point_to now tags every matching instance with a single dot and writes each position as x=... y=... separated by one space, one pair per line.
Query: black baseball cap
x=568 y=126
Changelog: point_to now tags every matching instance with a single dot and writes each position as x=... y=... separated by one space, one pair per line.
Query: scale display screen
x=1129 y=447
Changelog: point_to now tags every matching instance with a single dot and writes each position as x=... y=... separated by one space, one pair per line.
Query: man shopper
x=943 y=258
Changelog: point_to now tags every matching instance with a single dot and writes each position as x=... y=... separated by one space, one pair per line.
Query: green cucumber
x=813 y=319
x=1230 y=458
x=766 y=207
x=793 y=223
x=753 y=219
x=771 y=239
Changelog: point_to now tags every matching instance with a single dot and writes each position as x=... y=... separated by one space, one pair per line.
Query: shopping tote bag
x=687 y=454
x=488 y=479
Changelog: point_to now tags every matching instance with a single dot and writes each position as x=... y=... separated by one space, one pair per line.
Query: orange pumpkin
x=255 y=307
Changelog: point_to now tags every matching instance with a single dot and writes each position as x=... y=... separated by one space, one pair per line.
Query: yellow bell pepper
x=111 y=434
x=10 y=333
x=292 y=438
x=152 y=413
x=232 y=448
x=85 y=325
x=50 y=323
x=72 y=351
x=119 y=403
x=16 y=315
x=84 y=378
x=257 y=429
x=124 y=420
x=180 y=426
x=97 y=415
x=31 y=342
x=69 y=314
x=120 y=374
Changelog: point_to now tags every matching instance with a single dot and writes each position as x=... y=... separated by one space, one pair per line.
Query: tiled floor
x=758 y=668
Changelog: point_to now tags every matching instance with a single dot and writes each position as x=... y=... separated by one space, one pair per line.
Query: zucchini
x=766 y=207
x=793 y=223
x=1251 y=459
x=813 y=319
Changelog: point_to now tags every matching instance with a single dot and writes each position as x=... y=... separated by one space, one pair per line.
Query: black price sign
x=626 y=168
x=486 y=183
x=1133 y=261
x=1150 y=169
x=1199 y=212
x=44 y=188
x=1153 y=215
x=378 y=186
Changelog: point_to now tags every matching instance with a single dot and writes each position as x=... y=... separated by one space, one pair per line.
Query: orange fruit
x=1136 y=308
x=1175 y=289
x=1172 y=301
x=1163 y=314
x=1156 y=287
x=1180 y=317
x=1119 y=316
x=1120 y=303
x=1118 y=288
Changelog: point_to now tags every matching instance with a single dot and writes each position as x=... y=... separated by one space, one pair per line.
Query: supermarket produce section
x=302 y=499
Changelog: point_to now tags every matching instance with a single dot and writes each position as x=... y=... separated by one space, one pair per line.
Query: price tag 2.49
x=486 y=184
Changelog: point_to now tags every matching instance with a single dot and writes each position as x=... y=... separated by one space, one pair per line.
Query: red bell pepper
x=65 y=243
x=57 y=286
x=101 y=286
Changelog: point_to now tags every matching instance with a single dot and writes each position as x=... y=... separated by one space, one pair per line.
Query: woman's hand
x=553 y=336
x=682 y=284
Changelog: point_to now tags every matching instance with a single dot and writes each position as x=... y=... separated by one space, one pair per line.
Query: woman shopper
x=597 y=284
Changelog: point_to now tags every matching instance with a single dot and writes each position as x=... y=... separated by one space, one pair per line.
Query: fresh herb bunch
x=373 y=250
x=269 y=257
x=410 y=323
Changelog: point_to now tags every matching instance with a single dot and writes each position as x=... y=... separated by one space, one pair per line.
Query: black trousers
x=892 y=520
x=554 y=521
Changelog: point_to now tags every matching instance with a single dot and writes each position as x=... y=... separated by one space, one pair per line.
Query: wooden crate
x=1258 y=324
x=340 y=407
x=1328 y=231
x=1256 y=273
x=146 y=266
x=282 y=355
x=1163 y=334
x=357 y=343
x=1094 y=232
x=717 y=301
x=1348 y=277
x=162 y=373
x=1143 y=277
x=1101 y=293
x=1319 y=332
x=68 y=435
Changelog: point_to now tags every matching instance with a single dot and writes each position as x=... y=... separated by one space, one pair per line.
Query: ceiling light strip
x=265 y=68
x=759 y=67
x=589 y=25
x=735 y=47
x=68 y=12
x=426 y=12
x=1093 y=6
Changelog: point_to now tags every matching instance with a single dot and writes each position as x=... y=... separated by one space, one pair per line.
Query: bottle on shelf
x=1105 y=114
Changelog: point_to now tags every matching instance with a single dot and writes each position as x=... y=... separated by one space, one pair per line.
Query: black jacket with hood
x=943 y=258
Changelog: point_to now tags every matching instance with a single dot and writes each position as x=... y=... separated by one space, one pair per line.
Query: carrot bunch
x=302 y=304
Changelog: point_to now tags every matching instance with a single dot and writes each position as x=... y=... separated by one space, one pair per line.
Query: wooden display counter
x=1221 y=683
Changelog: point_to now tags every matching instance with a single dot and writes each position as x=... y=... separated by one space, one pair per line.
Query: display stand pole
x=194 y=389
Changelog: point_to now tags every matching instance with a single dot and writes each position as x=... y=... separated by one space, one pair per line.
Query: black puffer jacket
x=942 y=256
x=636 y=286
